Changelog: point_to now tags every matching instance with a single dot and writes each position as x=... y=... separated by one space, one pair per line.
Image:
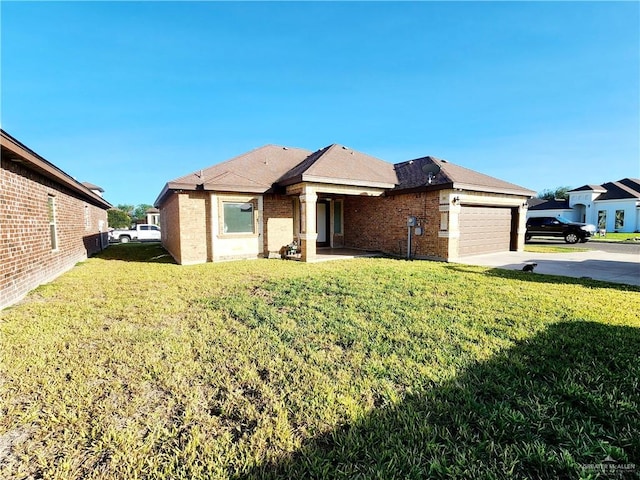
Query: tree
x=140 y=212
x=559 y=192
x=118 y=219
x=128 y=209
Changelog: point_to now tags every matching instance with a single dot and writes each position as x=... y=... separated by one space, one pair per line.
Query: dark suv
x=558 y=227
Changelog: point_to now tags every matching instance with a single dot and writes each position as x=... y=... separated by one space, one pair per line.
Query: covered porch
x=319 y=220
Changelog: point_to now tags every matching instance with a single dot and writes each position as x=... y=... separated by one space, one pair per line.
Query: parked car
x=572 y=232
x=142 y=232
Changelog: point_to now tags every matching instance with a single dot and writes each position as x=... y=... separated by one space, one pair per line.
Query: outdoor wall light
x=455 y=200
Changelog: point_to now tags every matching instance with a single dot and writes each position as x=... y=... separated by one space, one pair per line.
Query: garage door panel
x=484 y=230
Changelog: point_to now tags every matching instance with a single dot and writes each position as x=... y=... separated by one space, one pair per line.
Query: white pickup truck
x=143 y=233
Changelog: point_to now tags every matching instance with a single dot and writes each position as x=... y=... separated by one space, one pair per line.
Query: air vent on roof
x=285 y=148
x=443 y=161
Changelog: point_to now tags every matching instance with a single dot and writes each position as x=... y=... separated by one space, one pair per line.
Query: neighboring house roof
x=532 y=202
x=152 y=210
x=13 y=150
x=555 y=204
x=627 y=188
x=341 y=165
x=91 y=186
x=411 y=176
x=589 y=188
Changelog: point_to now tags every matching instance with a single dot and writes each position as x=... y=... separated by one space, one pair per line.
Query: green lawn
x=616 y=237
x=132 y=367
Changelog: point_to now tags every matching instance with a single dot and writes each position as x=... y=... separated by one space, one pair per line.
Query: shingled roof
x=627 y=188
x=555 y=204
x=266 y=168
x=412 y=177
x=341 y=165
x=252 y=172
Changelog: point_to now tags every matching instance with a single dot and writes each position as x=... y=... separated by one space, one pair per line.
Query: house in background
x=48 y=221
x=153 y=216
x=558 y=207
x=613 y=206
x=252 y=205
x=94 y=188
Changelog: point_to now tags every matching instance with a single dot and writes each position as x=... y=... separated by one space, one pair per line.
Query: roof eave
x=483 y=188
x=345 y=181
x=33 y=161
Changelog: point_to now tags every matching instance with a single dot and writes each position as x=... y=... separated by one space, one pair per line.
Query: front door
x=322 y=223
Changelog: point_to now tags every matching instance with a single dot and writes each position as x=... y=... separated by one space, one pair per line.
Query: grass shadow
x=517 y=274
x=563 y=404
x=145 y=252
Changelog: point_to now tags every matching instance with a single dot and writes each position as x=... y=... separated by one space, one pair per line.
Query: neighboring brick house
x=612 y=206
x=252 y=205
x=48 y=221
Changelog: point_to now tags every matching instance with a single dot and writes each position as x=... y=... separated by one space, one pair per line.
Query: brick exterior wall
x=26 y=256
x=380 y=224
x=278 y=222
x=170 y=231
x=195 y=231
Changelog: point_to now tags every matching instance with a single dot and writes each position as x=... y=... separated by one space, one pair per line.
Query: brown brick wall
x=380 y=223
x=170 y=230
x=195 y=227
x=26 y=257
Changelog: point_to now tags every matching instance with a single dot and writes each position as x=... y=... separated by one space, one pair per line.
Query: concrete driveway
x=595 y=264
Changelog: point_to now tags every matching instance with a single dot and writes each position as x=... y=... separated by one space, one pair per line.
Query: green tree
x=140 y=212
x=559 y=192
x=128 y=209
x=118 y=219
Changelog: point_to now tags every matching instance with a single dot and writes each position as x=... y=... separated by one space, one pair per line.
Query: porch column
x=308 y=234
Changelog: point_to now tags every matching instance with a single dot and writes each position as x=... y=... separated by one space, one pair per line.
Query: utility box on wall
x=411 y=221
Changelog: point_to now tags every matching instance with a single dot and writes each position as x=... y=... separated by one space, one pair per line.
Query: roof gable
x=342 y=165
x=588 y=188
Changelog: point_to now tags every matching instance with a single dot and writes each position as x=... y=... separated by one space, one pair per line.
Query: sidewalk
x=595 y=264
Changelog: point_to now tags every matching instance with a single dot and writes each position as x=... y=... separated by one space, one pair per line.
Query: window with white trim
x=619 y=219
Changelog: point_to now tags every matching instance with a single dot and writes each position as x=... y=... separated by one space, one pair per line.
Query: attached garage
x=485 y=229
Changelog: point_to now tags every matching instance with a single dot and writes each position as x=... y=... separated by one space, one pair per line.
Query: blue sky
x=129 y=95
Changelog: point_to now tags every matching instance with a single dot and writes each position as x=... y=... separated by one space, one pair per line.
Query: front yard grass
x=129 y=366
x=617 y=237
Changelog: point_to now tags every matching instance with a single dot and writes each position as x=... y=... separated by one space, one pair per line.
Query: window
x=444 y=221
x=238 y=217
x=51 y=206
x=619 y=219
x=337 y=217
x=602 y=219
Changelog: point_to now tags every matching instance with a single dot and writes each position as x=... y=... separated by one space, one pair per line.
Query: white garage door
x=484 y=230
